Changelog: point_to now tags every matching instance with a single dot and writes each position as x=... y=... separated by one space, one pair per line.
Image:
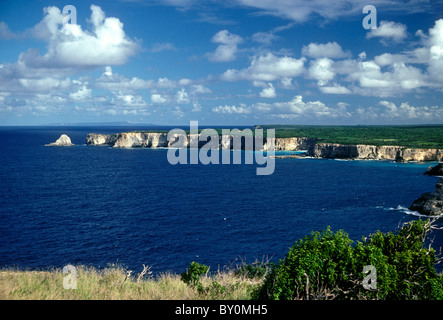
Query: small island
x=63 y=141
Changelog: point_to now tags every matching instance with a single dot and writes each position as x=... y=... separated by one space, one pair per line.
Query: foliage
x=325 y=265
x=426 y=136
x=193 y=274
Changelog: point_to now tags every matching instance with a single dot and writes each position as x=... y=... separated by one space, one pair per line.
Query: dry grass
x=114 y=284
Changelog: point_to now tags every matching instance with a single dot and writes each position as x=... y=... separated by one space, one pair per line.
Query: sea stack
x=63 y=141
x=430 y=203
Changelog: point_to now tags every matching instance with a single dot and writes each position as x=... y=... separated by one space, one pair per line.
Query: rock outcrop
x=430 y=203
x=436 y=170
x=369 y=152
x=63 y=141
x=141 y=140
x=294 y=144
x=314 y=148
x=153 y=140
x=98 y=139
x=421 y=155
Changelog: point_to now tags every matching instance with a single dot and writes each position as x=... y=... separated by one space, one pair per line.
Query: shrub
x=193 y=274
x=326 y=265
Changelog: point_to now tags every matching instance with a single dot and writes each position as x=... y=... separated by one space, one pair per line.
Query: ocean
x=96 y=205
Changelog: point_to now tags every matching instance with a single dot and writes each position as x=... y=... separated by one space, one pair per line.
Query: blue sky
x=235 y=62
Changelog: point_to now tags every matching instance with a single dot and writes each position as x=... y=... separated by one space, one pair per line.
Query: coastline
x=313 y=147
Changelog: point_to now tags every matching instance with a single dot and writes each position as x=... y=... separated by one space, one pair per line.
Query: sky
x=232 y=62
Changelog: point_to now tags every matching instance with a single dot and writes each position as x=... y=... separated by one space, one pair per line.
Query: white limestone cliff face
x=340 y=151
x=98 y=139
x=422 y=155
x=314 y=148
x=293 y=144
x=63 y=141
x=129 y=140
x=225 y=142
x=140 y=140
x=397 y=153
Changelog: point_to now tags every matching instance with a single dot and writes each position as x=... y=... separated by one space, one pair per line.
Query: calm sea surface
x=95 y=205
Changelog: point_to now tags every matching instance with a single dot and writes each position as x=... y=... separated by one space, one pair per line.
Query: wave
x=410 y=212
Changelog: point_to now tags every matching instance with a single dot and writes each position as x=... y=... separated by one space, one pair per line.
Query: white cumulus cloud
x=326 y=50
x=435 y=45
x=182 y=96
x=82 y=94
x=232 y=109
x=268 y=92
x=267 y=67
x=321 y=70
x=227 y=49
x=335 y=89
x=70 y=46
x=157 y=98
x=406 y=111
x=388 y=30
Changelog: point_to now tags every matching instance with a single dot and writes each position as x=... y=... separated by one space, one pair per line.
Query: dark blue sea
x=95 y=206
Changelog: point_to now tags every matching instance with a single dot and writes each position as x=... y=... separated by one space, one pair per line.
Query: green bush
x=214 y=290
x=326 y=265
x=193 y=274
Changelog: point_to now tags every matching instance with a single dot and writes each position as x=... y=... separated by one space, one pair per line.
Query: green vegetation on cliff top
x=426 y=136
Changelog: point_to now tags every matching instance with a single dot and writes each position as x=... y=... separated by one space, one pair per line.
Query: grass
x=113 y=283
x=426 y=136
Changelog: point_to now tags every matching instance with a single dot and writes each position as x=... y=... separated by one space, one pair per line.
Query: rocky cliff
x=422 y=155
x=140 y=140
x=129 y=140
x=396 y=153
x=314 y=148
x=435 y=171
x=293 y=144
x=430 y=203
x=159 y=140
x=98 y=139
x=63 y=141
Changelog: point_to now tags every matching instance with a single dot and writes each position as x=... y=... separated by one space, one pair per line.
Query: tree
x=328 y=265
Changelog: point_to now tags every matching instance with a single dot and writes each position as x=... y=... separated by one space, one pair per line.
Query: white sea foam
x=410 y=212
